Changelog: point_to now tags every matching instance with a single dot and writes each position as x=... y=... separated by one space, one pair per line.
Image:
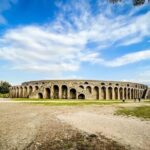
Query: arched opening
x=125 y=93
x=96 y=92
x=56 y=92
x=132 y=94
x=40 y=95
x=64 y=92
x=21 y=92
x=25 y=91
x=121 y=93
x=128 y=93
x=103 y=92
x=88 y=89
x=110 y=93
x=47 y=93
x=17 y=90
x=81 y=96
x=36 y=88
x=81 y=86
x=116 y=92
x=30 y=90
x=72 y=94
x=86 y=83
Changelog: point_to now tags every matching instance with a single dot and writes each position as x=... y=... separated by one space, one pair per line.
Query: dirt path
x=28 y=126
x=127 y=131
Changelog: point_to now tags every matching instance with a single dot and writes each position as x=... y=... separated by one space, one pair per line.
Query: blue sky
x=74 y=39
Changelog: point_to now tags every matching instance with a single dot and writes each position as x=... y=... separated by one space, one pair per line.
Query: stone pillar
x=118 y=93
x=122 y=93
x=100 y=97
x=113 y=93
x=60 y=92
x=68 y=93
x=106 y=93
x=52 y=92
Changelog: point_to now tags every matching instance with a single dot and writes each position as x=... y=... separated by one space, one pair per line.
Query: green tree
x=4 y=87
x=135 y=2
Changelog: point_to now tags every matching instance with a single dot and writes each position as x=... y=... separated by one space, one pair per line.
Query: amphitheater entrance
x=103 y=92
x=72 y=94
x=110 y=93
x=40 y=95
x=96 y=92
x=47 y=93
x=116 y=92
x=81 y=96
x=30 y=90
x=25 y=92
x=56 y=92
x=121 y=93
x=21 y=92
x=64 y=92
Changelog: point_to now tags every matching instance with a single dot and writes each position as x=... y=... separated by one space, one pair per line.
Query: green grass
x=62 y=102
x=147 y=101
x=141 y=112
x=4 y=95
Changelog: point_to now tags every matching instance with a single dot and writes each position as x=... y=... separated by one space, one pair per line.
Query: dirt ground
x=29 y=127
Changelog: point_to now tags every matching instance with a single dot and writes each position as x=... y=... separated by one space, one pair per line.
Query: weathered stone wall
x=79 y=89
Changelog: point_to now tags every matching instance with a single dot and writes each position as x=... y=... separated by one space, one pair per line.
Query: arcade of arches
x=80 y=89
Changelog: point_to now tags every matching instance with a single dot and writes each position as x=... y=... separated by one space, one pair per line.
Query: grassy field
x=4 y=95
x=62 y=102
x=141 y=112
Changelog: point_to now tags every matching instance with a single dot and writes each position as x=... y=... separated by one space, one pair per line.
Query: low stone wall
x=79 y=89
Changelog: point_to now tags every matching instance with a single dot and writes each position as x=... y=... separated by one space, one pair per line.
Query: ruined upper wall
x=85 y=82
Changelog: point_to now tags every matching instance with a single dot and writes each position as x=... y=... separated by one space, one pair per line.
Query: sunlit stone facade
x=80 y=89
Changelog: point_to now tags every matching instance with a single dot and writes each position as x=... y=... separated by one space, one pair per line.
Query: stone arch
x=81 y=96
x=121 y=92
x=56 y=92
x=86 y=83
x=110 y=93
x=89 y=89
x=125 y=93
x=17 y=90
x=116 y=93
x=40 y=95
x=96 y=92
x=81 y=86
x=64 y=92
x=25 y=91
x=132 y=94
x=21 y=92
x=30 y=90
x=47 y=93
x=103 y=92
x=129 y=94
x=36 y=88
x=73 y=94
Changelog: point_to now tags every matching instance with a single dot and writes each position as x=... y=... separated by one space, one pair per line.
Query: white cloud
x=61 y=45
x=129 y=58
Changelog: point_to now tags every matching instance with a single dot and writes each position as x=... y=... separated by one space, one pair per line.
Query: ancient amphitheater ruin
x=80 y=89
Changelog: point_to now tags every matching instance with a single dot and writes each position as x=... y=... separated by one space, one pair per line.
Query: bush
x=4 y=87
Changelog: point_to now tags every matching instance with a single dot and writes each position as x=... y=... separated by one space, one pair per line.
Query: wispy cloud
x=5 y=5
x=62 y=45
x=129 y=58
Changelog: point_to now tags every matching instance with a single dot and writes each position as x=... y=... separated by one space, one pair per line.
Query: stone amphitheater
x=80 y=89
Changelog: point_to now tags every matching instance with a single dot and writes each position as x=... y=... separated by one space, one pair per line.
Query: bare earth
x=30 y=126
